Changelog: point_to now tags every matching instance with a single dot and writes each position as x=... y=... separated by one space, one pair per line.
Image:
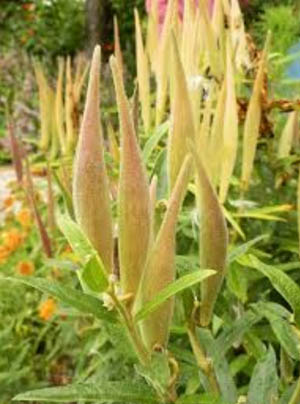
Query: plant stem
x=296 y=395
x=129 y=324
x=202 y=361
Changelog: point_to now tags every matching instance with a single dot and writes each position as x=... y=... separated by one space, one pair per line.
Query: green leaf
x=154 y=139
x=281 y=282
x=284 y=333
x=233 y=333
x=106 y=392
x=200 y=399
x=245 y=247
x=220 y=365
x=263 y=387
x=72 y=297
x=157 y=373
x=93 y=273
x=76 y=238
x=229 y=217
x=172 y=289
x=65 y=193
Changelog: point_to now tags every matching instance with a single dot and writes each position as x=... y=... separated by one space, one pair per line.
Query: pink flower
x=162 y=8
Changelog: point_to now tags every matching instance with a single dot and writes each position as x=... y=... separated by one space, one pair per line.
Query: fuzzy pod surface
x=160 y=267
x=90 y=184
x=213 y=240
x=134 y=210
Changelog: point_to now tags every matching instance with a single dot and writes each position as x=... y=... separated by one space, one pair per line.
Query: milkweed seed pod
x=216 y=138
x=163 y=62
x=289 y=135
x=152 y=33
x=213 y=240
x=69 y=106
x=230 y=130
x=143 y=74
x=160 y=267
x=118 y=52
x=90 y=184
x=59 y=108
x=44 y=104
x=214 y=61
x=133 y=199
x=253 y=117
x=239 y=41
x=298 y=207
x=182 y=127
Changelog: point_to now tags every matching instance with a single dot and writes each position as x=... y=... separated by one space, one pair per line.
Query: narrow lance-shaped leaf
x=182 y=126
x=213 y=240
x=134 y=200
x=230 y=131
x=253 y=117
x=143 y=75
x=106 y=392
x=263 y=388
x=160 y=267
x=90 y=183
x=289 y=134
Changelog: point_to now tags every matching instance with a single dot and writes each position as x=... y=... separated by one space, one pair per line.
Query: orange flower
x=8 y=202
x=4 y=254
x=47 y=309
x=12 y=239
x=25 y=268
x=24 y=217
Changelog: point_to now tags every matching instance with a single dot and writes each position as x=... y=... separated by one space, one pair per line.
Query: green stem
x=129 y=324
x=296 y=395
x=204 y=364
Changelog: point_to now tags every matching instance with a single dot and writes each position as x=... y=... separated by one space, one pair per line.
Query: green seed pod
x=90 y=184
x=160 y=267
x=213 y=240
x=134 y=200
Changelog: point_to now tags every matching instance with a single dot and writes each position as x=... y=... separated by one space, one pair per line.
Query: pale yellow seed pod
x=253 y=117
x=289 y=134
x=118 y=52
x=44 y=101
x=230 y=130
x=160 y=267
x=213 y=240
x=134 y=200
x=298 y=208
x=143 y=74
x=182 y=126
x=90 y=184
x=59 y=107
x=162 y=76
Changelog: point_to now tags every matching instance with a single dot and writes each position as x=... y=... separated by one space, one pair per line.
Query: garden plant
x=169 y=221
